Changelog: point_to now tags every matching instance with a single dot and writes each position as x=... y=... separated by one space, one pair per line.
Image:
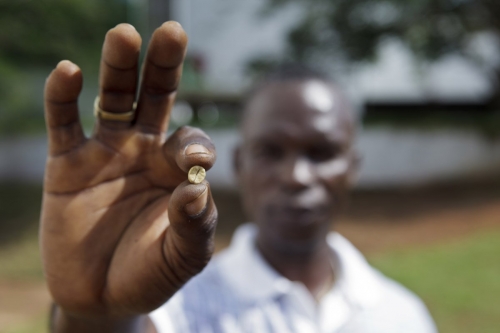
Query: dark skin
x=122 y=229
x=295 y=168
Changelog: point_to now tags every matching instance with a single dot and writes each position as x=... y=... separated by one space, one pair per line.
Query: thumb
x=189 y=242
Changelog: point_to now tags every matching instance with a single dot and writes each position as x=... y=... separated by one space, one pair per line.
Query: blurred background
x=423 y=76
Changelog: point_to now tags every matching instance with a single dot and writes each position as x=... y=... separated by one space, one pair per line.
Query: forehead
x=300 y=109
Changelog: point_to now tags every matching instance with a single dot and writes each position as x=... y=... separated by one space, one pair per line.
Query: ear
x=237 y=161
x=355 y=160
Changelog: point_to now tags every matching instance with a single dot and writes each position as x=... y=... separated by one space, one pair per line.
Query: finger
x=191 y=146
x=119 y=72
x=185 y=148
x=61 y=108
x=161 y=75
x=193 y=218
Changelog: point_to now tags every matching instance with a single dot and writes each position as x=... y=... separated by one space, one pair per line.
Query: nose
x=297 y=174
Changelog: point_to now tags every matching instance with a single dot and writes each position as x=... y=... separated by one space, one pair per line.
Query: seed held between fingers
x=196 y=174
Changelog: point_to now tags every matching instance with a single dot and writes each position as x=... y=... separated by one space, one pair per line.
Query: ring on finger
x=106 y=115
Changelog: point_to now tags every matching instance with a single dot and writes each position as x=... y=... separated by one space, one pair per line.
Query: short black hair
x=294 y=71
x=288 y=72
x=284 y=73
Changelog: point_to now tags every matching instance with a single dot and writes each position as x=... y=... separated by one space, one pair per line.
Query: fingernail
x=196 y=148
x=197 y=205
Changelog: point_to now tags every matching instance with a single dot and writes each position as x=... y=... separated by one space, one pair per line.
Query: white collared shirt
x=239 y=292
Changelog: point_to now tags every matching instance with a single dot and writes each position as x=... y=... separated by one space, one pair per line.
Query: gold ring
x=106 y=115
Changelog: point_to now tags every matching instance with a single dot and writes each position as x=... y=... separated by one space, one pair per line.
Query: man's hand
x=121 y=227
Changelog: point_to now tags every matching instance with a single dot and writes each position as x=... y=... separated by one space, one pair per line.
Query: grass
x=459 y=281
x=20 y=261
x=37 y=325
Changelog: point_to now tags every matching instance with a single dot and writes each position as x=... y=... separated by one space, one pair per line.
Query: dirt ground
x=21 y=302
x=376 y=221
x=382 y=220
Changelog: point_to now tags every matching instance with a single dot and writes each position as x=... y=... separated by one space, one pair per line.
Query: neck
x=311 y=267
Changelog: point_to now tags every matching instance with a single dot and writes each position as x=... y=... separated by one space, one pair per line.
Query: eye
x=322 y=153
x=269 y=151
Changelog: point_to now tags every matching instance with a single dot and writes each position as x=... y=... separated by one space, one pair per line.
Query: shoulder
x=383 y=305
x=398 y=310
x=407 y=307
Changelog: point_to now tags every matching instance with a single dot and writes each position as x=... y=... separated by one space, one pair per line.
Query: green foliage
x=355 y=28
x=34 y=37
x=40 y=33
x=487 y=124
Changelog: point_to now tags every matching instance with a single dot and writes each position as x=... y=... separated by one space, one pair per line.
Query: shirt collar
x=359 y=282
x=244 y=268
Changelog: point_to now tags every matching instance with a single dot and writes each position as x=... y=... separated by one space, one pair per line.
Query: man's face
x=296 y=161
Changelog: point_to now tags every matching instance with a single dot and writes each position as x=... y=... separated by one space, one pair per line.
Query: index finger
x=118 y=72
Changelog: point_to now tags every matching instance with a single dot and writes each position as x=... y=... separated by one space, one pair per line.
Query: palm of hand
x=117 y=234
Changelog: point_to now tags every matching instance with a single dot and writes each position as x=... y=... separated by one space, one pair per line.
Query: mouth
x=298 y=216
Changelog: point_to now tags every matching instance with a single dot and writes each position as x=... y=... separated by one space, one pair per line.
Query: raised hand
x=121 y=227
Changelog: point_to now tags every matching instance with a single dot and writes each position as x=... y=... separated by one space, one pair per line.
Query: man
x=285 y=272
x=123 y=231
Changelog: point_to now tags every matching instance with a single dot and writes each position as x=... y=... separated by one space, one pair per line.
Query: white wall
x=229 y=33
x=390 y=157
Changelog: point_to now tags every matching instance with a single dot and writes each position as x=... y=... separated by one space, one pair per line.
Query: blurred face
x=296 y=162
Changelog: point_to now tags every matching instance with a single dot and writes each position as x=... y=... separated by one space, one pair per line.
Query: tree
x=355 y=28
x=34 y=36
x=40 y=33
